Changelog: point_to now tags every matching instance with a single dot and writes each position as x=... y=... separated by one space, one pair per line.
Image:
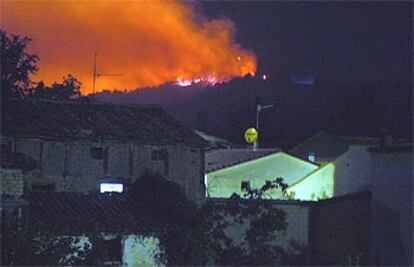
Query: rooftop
x=71 y=212
x=146 y=124
x=223 y=158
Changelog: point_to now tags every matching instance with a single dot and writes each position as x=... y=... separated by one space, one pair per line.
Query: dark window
x=105 y=160
x=159 y=154
x=6 y=147
x=245 y=185
x=111 y=251
x=97 y=153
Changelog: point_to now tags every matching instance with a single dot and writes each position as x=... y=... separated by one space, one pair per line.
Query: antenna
x=259 y=108
x=96 y=74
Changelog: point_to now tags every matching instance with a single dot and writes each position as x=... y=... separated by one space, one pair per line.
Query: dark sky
x=343 y=42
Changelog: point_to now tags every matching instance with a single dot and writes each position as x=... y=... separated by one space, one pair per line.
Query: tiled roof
x=224 y=158
x=70 y=212
x=395 y=148
x=322 y=144
x=146 y=124
x=328 y=146
x=216 y=142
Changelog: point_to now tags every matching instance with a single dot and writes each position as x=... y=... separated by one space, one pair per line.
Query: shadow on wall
x=387 y=245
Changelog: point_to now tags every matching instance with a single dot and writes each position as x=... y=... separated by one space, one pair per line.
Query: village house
x=87 y=147
x=99 y=229
x=235 y=170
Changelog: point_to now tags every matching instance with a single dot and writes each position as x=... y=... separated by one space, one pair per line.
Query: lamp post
x=259 y=108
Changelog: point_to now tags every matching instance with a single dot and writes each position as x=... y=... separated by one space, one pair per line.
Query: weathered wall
x=71 y=166
x=11 y=182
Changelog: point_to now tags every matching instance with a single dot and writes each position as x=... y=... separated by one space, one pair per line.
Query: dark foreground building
x=78 y=145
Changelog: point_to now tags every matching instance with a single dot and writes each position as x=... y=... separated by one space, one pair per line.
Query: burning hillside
x=147 y=42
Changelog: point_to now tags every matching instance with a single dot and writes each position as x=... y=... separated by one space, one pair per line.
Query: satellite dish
x=251 y=135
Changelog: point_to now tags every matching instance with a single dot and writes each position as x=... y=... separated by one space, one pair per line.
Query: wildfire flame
x=148 y=42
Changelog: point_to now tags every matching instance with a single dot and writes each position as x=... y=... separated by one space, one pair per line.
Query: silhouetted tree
x=260 y=193
x=175 y=218
x=257 y=242
x=68 y=89
x=16 y=65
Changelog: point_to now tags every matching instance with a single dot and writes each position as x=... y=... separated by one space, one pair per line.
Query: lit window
x=111 y=187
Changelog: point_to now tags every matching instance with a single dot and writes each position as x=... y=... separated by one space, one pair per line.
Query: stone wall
x=12 y=182
x=78 y=165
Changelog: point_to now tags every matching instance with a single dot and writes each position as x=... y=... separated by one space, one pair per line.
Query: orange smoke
x=148 y=42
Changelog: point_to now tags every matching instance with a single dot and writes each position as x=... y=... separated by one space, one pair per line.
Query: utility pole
x=259 y=108
x=96 y=74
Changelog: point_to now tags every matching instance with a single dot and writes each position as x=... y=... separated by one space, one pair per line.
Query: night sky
x=345 y=42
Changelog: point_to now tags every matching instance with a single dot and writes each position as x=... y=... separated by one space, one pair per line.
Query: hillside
x=300 y=110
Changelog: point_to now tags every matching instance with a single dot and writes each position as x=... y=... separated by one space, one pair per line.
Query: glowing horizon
x=149 y=43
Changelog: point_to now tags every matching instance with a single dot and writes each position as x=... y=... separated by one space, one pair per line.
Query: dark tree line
x=17 y=66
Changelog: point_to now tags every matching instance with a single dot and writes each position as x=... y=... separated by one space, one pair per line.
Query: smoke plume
x=148 y=42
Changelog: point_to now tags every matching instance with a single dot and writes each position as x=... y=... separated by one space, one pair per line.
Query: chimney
x=311 y=156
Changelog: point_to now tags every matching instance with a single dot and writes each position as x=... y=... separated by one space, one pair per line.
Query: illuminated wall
x=316 y=185
x=141 y=251
x=224 y=182
x=78 y=246
x=353 y=170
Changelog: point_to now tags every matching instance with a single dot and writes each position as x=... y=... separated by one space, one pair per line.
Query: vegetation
x=176 y=220
x=68 y=89
x=188 y=234
x=17 y=65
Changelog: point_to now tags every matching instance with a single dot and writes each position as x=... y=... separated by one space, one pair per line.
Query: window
x=245 y=186
x=97 y=153
x=6 y=147
x=111 y=187
x=159 y=154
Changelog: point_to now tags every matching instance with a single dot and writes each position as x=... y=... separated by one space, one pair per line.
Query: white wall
x=141 y=251
x=353 y=170
x=224 y=182
x=317 y=185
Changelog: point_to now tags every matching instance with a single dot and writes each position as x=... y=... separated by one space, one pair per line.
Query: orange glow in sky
x=148 y=42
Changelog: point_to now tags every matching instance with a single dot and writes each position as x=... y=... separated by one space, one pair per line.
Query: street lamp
x=258 y=110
